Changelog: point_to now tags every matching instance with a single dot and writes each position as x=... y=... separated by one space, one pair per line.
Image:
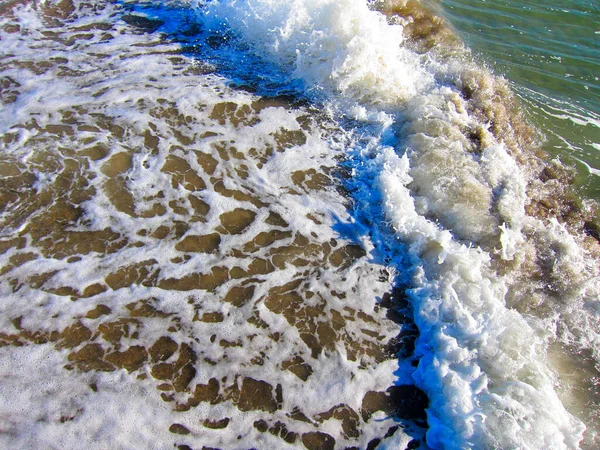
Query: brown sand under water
x=200 y=233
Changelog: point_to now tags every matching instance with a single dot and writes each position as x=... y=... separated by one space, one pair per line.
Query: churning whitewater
x=434 y=164
x=282 y=224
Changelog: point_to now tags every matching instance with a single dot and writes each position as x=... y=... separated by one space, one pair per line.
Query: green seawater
x=550 y=52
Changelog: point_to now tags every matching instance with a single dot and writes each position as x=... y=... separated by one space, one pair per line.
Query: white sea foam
x=457 y=214
x=482 y=365
x=126 y=80
x=41 y=408
x=341 y=47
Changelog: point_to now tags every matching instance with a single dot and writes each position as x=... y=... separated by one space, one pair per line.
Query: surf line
x=434 y=172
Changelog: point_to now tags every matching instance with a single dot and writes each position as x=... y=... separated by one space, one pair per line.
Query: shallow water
x=256 y=224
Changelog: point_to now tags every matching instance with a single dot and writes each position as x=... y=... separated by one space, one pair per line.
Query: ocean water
x=550 y=54
x=319 y=224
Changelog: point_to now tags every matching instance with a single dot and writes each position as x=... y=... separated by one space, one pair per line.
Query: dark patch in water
x=143 y=23
x=592 y=229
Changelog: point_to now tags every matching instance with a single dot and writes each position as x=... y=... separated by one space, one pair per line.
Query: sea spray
x=341 y=48
x=481 y=363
